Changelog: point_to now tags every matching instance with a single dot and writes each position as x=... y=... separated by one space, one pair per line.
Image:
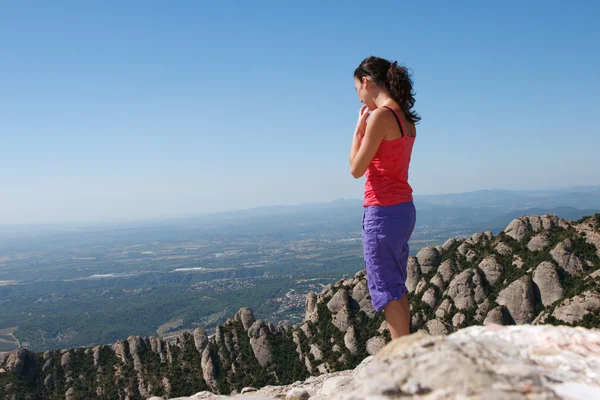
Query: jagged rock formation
x=542 y=269
x=242 y=352
x=530 y=273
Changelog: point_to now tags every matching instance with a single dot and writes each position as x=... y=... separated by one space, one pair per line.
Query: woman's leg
x=397 y=315
x=397 y=312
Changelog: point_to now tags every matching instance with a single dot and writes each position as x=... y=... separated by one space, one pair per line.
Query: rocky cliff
x=491 y=362
x=540 y=270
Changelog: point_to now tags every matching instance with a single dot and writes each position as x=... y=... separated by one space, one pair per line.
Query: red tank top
x=387 y=175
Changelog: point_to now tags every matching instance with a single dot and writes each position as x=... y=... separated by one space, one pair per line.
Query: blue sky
x=122 y=110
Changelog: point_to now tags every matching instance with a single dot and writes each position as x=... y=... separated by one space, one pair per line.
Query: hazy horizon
x=570 y=189
x=132 y=111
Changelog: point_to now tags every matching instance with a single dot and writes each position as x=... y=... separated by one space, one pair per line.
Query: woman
x=381 y=151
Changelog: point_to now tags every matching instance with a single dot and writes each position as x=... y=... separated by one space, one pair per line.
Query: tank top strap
x=397 y=120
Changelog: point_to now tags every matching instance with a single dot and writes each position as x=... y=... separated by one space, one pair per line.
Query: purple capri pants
x=385 y=234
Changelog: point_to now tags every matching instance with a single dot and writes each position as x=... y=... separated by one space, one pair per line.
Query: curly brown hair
x=395 y=78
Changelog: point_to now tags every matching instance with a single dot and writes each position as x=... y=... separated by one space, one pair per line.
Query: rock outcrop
x=518 y=297
x=246 y=317
x=429 y=259
x=462 y=289
x=548 y=283
x=563 y=255
x=487 y=362
x=413 y=273
x=574 y=310
x=519 y=228
x=492 y=269
x=259 y=342
x=538 y=242
x=494 y=317
x=448 y=244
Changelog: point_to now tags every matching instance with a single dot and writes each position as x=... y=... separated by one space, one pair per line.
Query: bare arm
x=355 y=146
x=363 y=151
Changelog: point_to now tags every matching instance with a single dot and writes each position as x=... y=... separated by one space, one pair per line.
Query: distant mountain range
x=577 y=201
x=577 y=197
x=438 y=217
x=447 y=214
x=478 y=206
